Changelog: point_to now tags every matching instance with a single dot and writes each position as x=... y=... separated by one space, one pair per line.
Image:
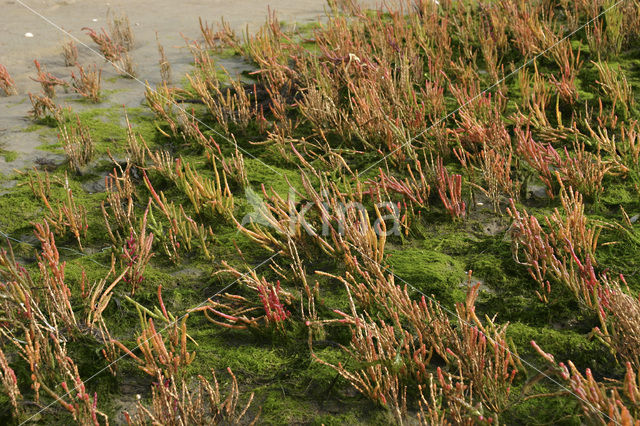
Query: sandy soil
x=169 y=18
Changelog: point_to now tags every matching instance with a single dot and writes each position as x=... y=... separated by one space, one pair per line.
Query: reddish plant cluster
x=47 y=80
x=556 y=254
x=450 y=191
x=87 y=82
x=109 y=49
x=271 y=302
x=602 y=403
x=42 y=323
x=7 y=84
x=274 y=310
x=116 y=44
x=400 y=351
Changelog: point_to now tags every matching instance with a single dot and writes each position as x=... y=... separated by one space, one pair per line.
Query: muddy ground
x=173 y=21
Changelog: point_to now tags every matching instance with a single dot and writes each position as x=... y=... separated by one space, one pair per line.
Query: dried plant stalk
x=120 y=30
x=120 y=194
x=215 y=40
x=163 y=106
x=70 y=53
x=43 y=106
x=136 y=145
x=165 y=65
x=125 y=65
x=181 y=406
x=496 y=173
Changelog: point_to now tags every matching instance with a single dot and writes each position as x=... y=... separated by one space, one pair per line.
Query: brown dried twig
x=179 y=405
x=70 y=53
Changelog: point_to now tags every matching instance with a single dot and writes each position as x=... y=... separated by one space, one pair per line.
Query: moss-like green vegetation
x=9 y=156
x=430 y=271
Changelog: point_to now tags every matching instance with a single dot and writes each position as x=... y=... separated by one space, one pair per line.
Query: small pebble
x=28 y=35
